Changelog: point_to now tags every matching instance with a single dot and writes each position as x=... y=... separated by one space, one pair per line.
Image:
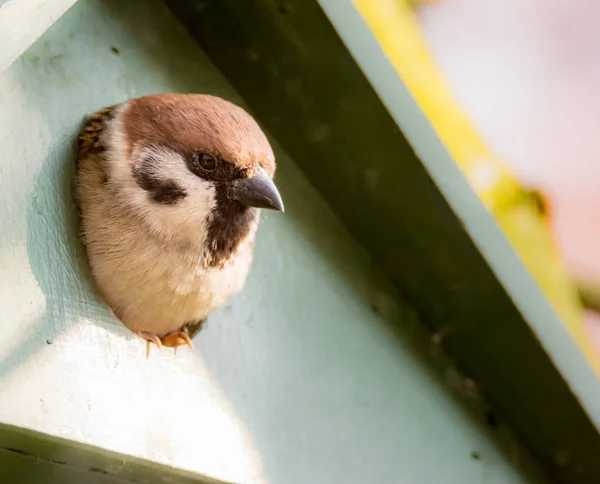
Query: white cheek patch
x=173 y=201
x=162 y=173
x=185 y=214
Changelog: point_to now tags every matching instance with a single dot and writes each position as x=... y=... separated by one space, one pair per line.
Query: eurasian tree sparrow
x=168 y=189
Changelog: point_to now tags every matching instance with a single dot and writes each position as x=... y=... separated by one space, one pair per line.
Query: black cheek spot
x=168 y=193
x=162 y=191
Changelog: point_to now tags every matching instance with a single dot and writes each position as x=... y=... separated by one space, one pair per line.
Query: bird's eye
x=206 y=161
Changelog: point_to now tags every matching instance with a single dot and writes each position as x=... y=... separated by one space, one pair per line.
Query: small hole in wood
x=98 y=471
x=491 y=420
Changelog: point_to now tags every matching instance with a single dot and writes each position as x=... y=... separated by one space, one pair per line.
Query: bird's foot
x=150 y=338
x=171 y=340
x=177 y=338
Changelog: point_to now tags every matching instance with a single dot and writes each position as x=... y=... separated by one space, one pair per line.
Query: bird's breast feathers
x=156 y=290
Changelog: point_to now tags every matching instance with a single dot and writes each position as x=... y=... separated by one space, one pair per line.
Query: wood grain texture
x=318 y=372
x=22 y=22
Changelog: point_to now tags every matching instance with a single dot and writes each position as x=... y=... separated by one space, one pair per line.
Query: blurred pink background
x=528 y=74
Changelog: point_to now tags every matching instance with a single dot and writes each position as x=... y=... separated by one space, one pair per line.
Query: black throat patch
x=230 y=223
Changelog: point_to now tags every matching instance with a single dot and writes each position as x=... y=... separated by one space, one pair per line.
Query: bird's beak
x=258 y=191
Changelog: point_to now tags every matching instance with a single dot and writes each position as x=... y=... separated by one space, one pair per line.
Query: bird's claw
x=176 y=338
x=150 y=338
x=171 y=340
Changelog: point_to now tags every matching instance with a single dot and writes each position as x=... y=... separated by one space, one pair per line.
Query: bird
x=169 y=189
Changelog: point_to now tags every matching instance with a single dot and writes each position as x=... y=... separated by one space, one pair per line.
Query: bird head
x=194 y=168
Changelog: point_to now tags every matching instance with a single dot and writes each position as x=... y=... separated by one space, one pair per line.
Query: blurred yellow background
x=499 y=83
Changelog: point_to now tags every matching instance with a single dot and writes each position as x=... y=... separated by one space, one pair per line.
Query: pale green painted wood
x=301 y=378
x=28 y=457
x=22 y=22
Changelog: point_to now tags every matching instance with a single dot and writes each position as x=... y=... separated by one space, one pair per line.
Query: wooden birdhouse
x=388 y=333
